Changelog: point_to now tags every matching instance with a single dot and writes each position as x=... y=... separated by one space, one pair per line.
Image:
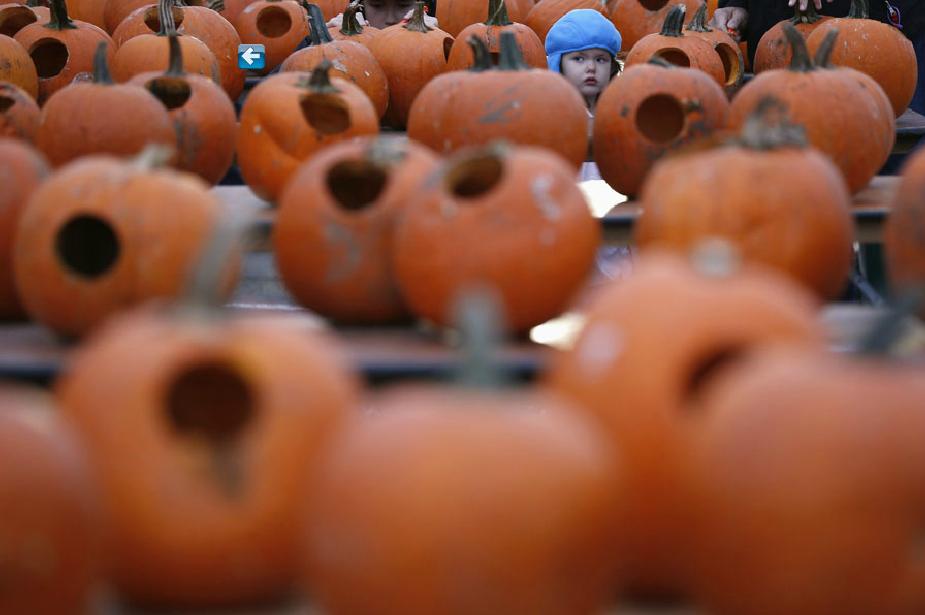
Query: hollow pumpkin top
x=60 y=20
x=497 y=14
x=698 y=21
x=416 y=23
x=674 y=21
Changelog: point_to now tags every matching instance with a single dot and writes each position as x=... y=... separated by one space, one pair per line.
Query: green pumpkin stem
x=318 y=30
x=59 y=17
x=416 y=23
x=800 y=62
x=480 y=53
x=497 y=14
x=674 y=21
x=510 y=57
x=768 y=127
x=860 y=9
x=101 y=74
x=824 y=53
x=175 y=65
x=698 y=21
x=165 y=16
x=319 y=81
x=350 y=25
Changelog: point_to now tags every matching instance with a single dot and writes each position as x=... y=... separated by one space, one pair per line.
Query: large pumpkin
x=531 y=48
x=278 y=25
x=904 y=237
x=19 y=113
x=454 y=16
x=774 y=50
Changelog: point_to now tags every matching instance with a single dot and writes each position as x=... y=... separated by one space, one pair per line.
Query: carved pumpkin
x=545 y=13
x=73 y=126
x=650 y=110
x=350 y=61
x=858 y=139
x=15 y=17
x=511 y=219
x=461 y=58
x=874 y=48
x=904 y=237
x=650 y=346
x=774 y=50
x=22 y=170
x=637 y=19
x=278 y=25
x=291 y=116
x=726 y=48
x=454 y=16
x=411 y=54
x=19 y=113
x=203 y=117
x=510 y=101
x=351 y=30
x=673 y=46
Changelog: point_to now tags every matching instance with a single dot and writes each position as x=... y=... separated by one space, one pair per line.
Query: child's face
x=384 y=13
x=587 y=70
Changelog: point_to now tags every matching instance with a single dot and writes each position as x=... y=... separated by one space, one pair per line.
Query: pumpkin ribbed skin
x=19 y=113
x=454 y=16
x=773 y=50
x=279 y=25
x=90 y=11
x=904 y=234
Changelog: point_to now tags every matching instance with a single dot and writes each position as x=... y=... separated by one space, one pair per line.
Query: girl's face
x=382 y=13
x=588 y=70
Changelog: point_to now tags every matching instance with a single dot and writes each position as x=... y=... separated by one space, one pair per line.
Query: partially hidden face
x=588 y=70
x=384 y=13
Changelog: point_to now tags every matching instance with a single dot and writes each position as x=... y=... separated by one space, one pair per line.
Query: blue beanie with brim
x=578 y=30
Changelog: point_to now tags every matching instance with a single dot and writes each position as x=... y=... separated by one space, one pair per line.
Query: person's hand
x=431 y=22
x=338 y=21
x=805 y=3
x=732 y=20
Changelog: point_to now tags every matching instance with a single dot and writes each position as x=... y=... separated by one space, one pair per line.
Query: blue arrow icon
x=251 y=57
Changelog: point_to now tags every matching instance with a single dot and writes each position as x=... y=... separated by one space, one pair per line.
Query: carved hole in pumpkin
x=5 y=103
x=356 y=184
x=273 y=22
x=731 y=68
x=660 y=118
x=447 y=45
x=327 y=114
x=50 y=56
x=653 y=5
x=172 y=91
x=210 y=400
x=706 y=369
x=153 y=22
x=87 y=246
x=15 y=18
x=474 y=176
x=674 y=56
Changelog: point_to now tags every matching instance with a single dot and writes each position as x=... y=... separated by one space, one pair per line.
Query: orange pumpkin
x=90 y=11
x=773 y=50
x=726 y=48
x=72 y=125
x=457 y=110
x=51 y=527
x=345 y=202
x=673 y=46
x=103 y=234
x=291 y=116
x=117 y=11
x=411 y=54
x=14 y=17
x=650 y=348
x=637 y=19
x=221 y=414
x=904 y=237
x=278 y=25
x=22 y=170
x=545 y=13
x=16 y=66
x=203 y=117
x=874 y=48
x=349 y=60
x=461 y=58
x=649 y=111
x=454 y=16
x=19 y=113
x=230 y=9
x=61 y=49
x=511 y=219
x=351 y=30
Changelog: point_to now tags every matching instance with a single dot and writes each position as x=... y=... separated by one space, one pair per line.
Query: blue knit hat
x=578 y=30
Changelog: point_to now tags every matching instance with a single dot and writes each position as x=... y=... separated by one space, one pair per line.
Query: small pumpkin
x=728 y=50
x=289 y=117
x=411 y=54
x=349 y=61
x=19 y=113
x=545 y=13
x=511 y=219
x=637 y=19
x=351 y=30
x=904 y=234
x=673 y=46
x=14 y=17
x=774 y=50
x=278 y=25
x=454 y=16
x=461 y=57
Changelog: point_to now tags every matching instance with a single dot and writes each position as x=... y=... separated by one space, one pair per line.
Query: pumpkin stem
x=480 y=53
x=217 y=5
x=808 y=16
x=319 y=81
x=497 y=14
x=698 y=21
x=350 y=25
x=318 y=30
x=891 y=327
x=416 y=23
x=60 y=20
x=824 y=53
x=768 y=127
x=510 y=57
x=165 y=15
x=674 y=21
x=175 y=65
x=801 y=62
x=478 y=317
x=860 y=9
x=101 y=72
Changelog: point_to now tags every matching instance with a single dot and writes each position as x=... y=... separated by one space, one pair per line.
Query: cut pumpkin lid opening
x=474 y=175
x=356 y=184
x=273 y=22
x=50 y=57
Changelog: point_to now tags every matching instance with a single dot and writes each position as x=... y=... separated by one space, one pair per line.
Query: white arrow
x=249 y=55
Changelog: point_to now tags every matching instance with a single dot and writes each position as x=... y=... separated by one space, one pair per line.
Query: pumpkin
x=545 y=13
x=15 y=17
x=117 y=11
x=461 y=58
x=411 y=54
x=278 y=25
x=651 y=109
x=51 y=527
x=673 y=46
x=203 y=117
x=454 y=16
x=230 y=9
x=349 y=60
x=151 y=52
x=798 y=223
x=61 y=49
x=16 y=66
x=19 y=113
x=511 y=219
x=728 y=50
x=650 y=347
x=331 y=8
x=103 y=234
x=201 y=22
x=510 y=102
x=351 y=30
x=874 y=48
x=904 y=233
x=72 y=125
x=774 y=50
x=90 y=11
x=345 y=202
x=858 y=139
x=637 y=19
x=22 y=170
x=291 y=116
